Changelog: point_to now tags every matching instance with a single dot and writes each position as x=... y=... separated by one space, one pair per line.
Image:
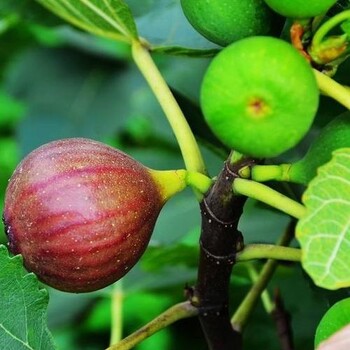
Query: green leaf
x=324 y=231
x=157 y=258
x=163 y=24
x=335 y=319
x=108 y=18
x=23 y=307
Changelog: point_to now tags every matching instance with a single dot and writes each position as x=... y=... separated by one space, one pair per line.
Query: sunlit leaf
x=23 y=307
x=324 y=232
x=109 y=18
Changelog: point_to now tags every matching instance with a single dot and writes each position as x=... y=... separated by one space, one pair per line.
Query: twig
x=175 y=313
x=219 y=242
x=283 y=322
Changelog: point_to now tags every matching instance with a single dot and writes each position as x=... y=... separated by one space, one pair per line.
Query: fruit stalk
x=220 y=241
x=186 y=140
x=269 y=196
x=331 y=88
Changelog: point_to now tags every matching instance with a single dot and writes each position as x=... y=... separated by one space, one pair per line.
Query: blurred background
x=58 y=82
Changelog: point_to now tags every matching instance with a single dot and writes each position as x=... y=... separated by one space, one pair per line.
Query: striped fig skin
x=81 y=213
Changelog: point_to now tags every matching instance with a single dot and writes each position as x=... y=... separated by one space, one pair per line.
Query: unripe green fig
x=81 y=213
x=300 y=8
x=336 y=134
x=259 y=96
x=224 y=22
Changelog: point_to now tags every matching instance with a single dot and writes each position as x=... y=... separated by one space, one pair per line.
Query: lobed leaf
x=324 y=231
x=108 y=18
x=23 y=307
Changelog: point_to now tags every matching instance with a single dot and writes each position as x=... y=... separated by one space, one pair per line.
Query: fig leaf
x=108 y=18
x=324 y=231
x=23 y=307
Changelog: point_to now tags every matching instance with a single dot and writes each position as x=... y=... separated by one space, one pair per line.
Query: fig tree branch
x=173 y=314
x=220 y=241
x=283 y=323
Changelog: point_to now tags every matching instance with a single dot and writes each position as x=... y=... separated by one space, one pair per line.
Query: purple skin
x=81 y=213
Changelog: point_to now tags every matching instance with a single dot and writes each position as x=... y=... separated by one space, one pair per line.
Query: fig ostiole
x=254 y=101
x=81 y=213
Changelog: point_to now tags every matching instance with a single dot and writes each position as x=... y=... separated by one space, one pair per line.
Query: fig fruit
x=224 y=22
x=336 y=134
x=337 y=317
x=259 y=96
x=300 y=8
x=81 y=213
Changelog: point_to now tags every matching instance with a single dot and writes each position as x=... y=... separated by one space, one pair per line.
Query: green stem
x=268 y=251
x=242 y=314
x=199 y=182
x=183 y=133
x=263 y=173
x=269 y=196
x=265 y=296
x=331 y=88
x=326 y=27
x=173 y=314
x=117 y=313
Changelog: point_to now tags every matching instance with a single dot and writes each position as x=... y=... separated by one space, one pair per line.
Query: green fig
x=300 y=8
x=337 y=317
x=259 y=96
x=224 y=22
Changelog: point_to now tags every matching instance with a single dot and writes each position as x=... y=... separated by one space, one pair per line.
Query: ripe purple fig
x=81 y=213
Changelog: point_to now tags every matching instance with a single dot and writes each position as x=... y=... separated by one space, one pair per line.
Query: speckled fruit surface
x=224 y=22
x=80 y=212
x=259 y=96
